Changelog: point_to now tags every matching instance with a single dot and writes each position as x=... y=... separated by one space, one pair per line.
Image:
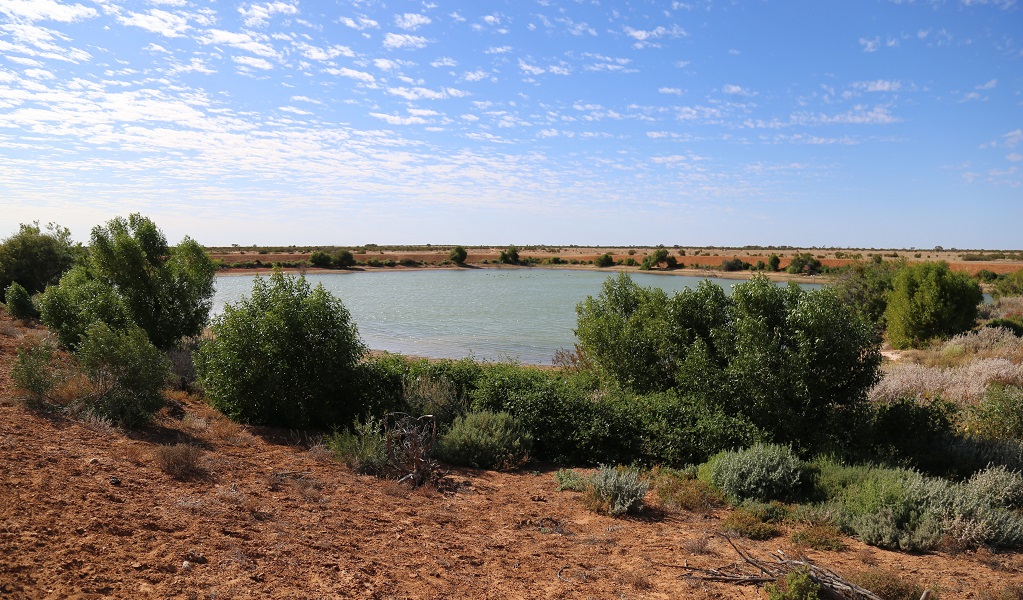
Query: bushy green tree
x=127 y=372
x=1009 y=285
x=285 y=356
x=793 y=362
x=604 y=260
x=928 y=300
x=865 y=287
x=660 y=255
x=19 y=303
x=34 y=259
x=320 y=259
x=458 y=255
x=774 y=263
x=509 y=256
x=804 y=263
x=135 y=277
x=344 y=259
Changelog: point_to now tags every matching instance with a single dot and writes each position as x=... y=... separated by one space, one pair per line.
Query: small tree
x=604 y=260
x=34 y=259
x=458 y=255
x=285 y=356
x=928 y=300
x=137 y=278
x=774 y=263
x=19 y=303
x=509 y=256
x=344 y=259
x=320 y=259
x=127 y=373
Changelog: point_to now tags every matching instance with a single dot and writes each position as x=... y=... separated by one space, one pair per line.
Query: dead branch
x=751 y=570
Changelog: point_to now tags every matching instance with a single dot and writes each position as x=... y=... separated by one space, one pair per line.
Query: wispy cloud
x=394 y=41
x=46 y=10
x=258 y=15
x=411 y=21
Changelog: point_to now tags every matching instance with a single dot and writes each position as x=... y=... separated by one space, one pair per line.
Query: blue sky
x=867 y=123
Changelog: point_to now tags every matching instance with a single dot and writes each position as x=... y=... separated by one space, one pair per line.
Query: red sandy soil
x=87 y=513
x=477 y=256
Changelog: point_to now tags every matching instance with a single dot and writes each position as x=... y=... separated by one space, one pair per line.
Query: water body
x=490 y=314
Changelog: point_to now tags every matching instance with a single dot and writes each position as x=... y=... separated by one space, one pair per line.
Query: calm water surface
x=491 y=314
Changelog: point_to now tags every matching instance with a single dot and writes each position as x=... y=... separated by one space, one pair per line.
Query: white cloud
x=671 y=90
x=251 y=61
x=559 y=70
x=530 y=69
x=295 y=111
x=990 y=85
x=323 y=54
x=411 y=21
x=159 y=21
x=497 y=50
x=39 y=74
x=1014 y=157
x=46 y=10
x=643 y=37
x=880 y=85
x=352 y=74
x=470 y=118
x=870 y=45
x=418 y=93
x=242 y=41
x=444 y=62
x=33 y=40
x=736 y=90
x=257 y=15
x=393 y=41
x=477 y=75
x=399 y=120
x=360 y=24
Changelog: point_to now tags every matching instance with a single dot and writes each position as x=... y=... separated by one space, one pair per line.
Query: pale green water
x=492 y=314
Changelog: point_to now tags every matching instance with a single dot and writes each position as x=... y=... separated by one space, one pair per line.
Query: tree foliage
x=928 y=300
x=787 y=359
x=1009 y=285
x=34 y=259
x=133 y=276
x=865 y=287
x=19 y=303
x=458 y=255
x=509 y=256
x=604 y=260
x=344 y=259
x=285 y=356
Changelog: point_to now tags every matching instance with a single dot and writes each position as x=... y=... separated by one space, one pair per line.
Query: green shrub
x=320 y=259
x=798 y=585
x=604 y=260
x=34 y=259
x=19 y=303
x=32 y=371
x=485 y=440
x=750 y=523
x=1000 y=414
x=363 y=448
x=681 y=490
x=890 y=585
x=285 y=356
x=343 y=259
x=1014 y=325
x=570 y=480
x=616 y=491
x=928 y=300
x=127 y=371
x=819 y=537
x=509 y=256
x=458 y=255
x=761 y=472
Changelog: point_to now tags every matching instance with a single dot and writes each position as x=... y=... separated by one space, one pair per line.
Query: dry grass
x=889 y=584
x=228 y=431
x=697 y=545
x=194 y=422
x=180 y=461
x=964 y=384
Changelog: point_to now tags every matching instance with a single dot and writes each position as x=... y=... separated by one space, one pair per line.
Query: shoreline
x=684 y=272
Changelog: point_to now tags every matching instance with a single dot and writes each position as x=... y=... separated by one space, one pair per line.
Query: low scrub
x=363 y=448
x=616 y=491
x=180 y=461
x=682 y=490
x=485 y=440
x=890 y=585
x=571 y=480
x=797 y=585
x=19 y=302
x=755 y=520
x=762 y=472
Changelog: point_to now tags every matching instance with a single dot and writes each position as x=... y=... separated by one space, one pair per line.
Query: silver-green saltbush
x=616 y=490
x=761 y=472
x=486 y=440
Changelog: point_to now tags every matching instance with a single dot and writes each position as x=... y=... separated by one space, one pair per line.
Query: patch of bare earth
x=89 y=512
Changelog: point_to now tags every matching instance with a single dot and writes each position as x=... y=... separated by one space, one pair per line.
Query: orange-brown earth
x=85 y=512
x=707 y=258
